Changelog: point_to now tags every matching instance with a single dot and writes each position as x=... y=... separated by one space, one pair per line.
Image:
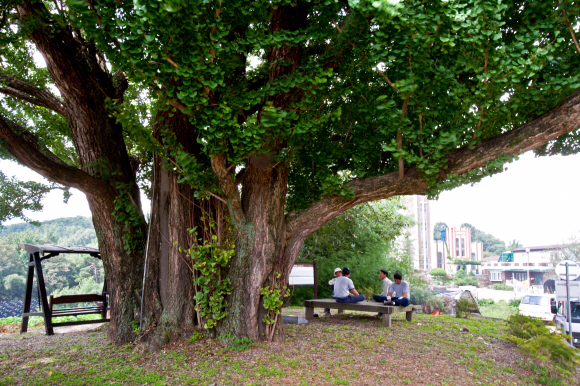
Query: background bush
x=438 y=272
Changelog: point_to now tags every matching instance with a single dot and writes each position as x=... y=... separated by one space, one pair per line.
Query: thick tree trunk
x=258 y=220
x=168 y=287
x=105 y=173
x=123 y=271
x=169 y=307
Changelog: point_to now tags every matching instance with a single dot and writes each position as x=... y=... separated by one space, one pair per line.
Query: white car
x=537 y=306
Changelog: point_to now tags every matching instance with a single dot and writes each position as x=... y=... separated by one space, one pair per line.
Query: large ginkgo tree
x=269 y=118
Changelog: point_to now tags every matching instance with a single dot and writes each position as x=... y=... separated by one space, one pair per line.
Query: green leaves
x=273 y=300
x=211 y=259
x=18 y=197
x=445 y=71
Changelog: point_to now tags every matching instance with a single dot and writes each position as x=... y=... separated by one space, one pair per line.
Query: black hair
x=398 y=276
x=345 y=271
x=385 y=272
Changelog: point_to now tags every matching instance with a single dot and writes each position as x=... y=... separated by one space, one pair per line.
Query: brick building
x=457 y=245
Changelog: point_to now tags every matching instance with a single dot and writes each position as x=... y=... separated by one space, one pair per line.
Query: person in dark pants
x=399 y=292
x=343 y=287
x=386 y=284
x=337 y=273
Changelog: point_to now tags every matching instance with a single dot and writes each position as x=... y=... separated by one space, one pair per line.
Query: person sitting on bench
x=386 y=284
x=337 y=273
x=342 y=286
x=401 y=288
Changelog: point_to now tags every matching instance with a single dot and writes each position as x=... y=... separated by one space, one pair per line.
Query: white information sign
x=573 y=270
x=302 y=274
x=561 y=290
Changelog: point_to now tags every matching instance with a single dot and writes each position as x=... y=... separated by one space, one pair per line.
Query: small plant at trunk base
x=273 y=298
x=195 y=337
x=464 y=308
x=237 y=344
x=211 y=256
x=135 y=326
x=546 y=347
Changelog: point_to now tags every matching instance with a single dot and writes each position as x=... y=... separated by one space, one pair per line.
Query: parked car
x=537 y=306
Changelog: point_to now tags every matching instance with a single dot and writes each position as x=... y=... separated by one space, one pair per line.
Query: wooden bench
x=100 y=306
x=365 y=305
x=35 y=264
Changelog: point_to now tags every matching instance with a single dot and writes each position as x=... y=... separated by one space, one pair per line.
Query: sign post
x=304 y=275
x=568 y=270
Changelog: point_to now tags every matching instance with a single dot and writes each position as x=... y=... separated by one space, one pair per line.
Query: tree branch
x=562 y=119
x=32 y=94
x=24 y=146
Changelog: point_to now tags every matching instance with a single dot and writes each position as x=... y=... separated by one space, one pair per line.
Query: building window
x=462 y=247
x=495 y=276
x=473 y=256
x=457 y=246
x=521 y=276
x=440 y=259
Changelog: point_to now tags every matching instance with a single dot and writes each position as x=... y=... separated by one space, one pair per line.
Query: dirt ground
x=347 y=349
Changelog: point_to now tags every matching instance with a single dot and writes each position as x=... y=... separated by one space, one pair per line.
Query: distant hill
x=69 y=273
x=78 y=222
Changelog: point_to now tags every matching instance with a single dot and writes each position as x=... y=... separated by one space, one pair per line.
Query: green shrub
x=368 y=292
x=438 y=272
x=514 y=303
x=548 y=348
x=501 y=287
x=486 y=302
x=464 y=308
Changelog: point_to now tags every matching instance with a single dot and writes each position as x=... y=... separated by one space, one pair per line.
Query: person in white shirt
x=337 y=273
x=383 y=273
x=343 y=287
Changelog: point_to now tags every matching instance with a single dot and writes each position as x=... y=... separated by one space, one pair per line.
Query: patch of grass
x=35 y=321
x=501 y=310
x=326 y=352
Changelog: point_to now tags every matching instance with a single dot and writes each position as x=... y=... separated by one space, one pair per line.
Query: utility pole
x=569 y=313
x=529 y=280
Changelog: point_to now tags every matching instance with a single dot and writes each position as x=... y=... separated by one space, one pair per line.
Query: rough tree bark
x=169 y=307
x=105 y=173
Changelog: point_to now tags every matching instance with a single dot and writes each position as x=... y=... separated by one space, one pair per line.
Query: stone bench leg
x=340 y=311
x=387 y=320
x=409 y=316
x=309 y=311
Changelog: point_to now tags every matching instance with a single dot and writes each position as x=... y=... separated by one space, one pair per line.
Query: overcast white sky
x=535 y=201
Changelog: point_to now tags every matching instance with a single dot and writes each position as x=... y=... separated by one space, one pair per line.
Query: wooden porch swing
x=34 y=261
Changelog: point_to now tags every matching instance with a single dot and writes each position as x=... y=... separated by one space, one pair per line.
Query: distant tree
x=569 y=250
x=437 y=230
x=514 y=245
x=360 y=238
x=491 y=244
